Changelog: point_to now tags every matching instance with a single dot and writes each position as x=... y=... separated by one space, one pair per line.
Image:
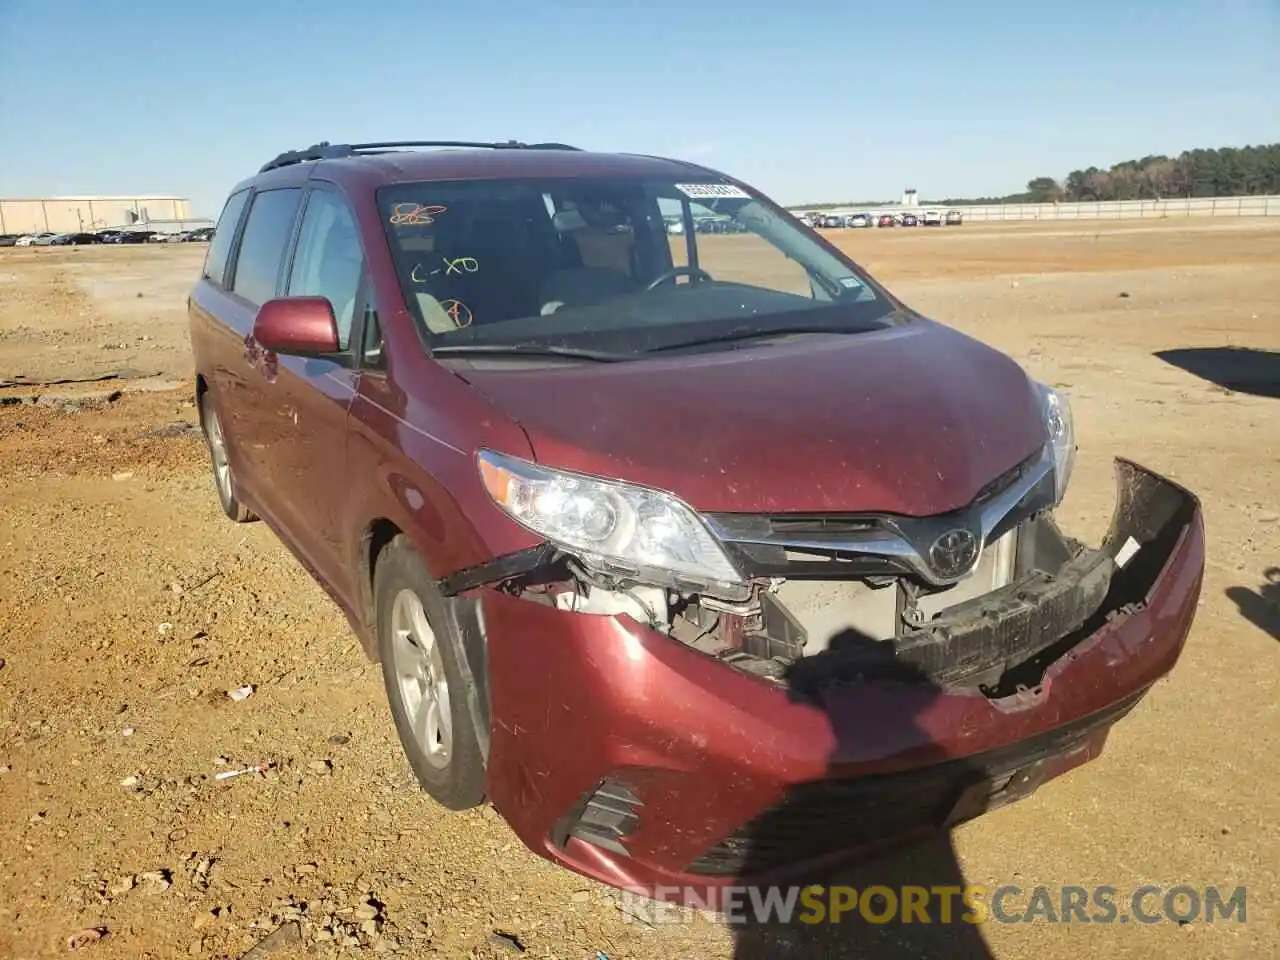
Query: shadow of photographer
x=896 y=820
x=1260 y=607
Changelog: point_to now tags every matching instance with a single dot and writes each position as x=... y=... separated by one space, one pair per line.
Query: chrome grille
x=869 y=545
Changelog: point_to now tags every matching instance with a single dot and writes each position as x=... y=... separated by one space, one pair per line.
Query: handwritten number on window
x=458 y=312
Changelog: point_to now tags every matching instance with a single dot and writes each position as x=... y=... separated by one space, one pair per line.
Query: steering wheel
x=670 y=276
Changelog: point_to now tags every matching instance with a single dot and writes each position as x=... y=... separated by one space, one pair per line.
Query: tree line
x=1227 y=172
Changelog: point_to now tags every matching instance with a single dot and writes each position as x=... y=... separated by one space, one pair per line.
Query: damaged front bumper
x=630 y=757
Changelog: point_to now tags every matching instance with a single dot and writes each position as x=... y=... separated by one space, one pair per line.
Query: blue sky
x=808 y=99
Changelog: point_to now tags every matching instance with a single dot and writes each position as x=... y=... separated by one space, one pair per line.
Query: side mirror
x=297 y=326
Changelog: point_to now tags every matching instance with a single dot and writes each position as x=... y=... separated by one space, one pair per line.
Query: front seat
x=504 y=284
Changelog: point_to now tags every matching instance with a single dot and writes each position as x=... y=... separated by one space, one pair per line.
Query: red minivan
x=702 y=557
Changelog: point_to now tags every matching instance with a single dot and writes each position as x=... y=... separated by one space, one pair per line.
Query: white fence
x=1266 y=206
x=1259 y=206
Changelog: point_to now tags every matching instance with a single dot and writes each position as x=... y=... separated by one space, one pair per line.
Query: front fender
x=413 y=473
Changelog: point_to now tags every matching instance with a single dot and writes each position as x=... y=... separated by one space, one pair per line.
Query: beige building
x=69 y=214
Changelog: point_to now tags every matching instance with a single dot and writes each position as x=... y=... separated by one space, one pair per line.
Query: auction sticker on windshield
x=701 y=191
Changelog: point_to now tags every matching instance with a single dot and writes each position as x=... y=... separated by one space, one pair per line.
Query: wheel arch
x=465 y=614
x=377 y=535
x=202 y=387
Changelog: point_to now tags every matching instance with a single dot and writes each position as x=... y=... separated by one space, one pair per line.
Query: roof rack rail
x=334 y=151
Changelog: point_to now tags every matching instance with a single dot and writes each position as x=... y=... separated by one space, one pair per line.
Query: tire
x=418 y=645
x=223 y=481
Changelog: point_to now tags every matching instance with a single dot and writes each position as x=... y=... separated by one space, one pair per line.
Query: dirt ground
x=129 y=607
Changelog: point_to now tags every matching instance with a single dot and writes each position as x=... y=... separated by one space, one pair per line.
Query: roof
x=494 y=164
x=374 y=169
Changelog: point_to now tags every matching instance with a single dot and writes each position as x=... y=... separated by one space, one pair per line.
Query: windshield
x=623 y=266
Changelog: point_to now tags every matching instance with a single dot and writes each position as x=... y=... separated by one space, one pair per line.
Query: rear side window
x=262 y=248
x=215 y=261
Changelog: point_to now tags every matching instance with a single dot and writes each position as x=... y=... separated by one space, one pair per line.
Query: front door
x=255 y=277
x=311 y=396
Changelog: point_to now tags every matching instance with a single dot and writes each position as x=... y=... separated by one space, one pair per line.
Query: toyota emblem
x=953 y=554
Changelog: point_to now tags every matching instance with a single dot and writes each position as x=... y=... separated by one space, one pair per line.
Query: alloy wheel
x=218 y=451
x=420 y=679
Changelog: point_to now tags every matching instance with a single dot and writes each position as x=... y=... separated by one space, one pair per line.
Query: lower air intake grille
x=829 y=816
x=604 y=817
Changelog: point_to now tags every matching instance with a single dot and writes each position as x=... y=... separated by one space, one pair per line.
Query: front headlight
x=615 y=528
x=1061 y=429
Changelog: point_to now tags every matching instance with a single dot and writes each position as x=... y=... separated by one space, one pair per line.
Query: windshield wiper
x=531 y=350
x=758 y=333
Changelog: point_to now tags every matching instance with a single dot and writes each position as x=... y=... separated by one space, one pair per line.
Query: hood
x=912 y=420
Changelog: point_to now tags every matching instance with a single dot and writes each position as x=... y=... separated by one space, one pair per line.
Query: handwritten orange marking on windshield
x=458 y=312
x=415 y=214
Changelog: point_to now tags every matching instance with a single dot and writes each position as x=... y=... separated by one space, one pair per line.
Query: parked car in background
x=910 y=220
x=954 y=218
x=9 y=239
x=34 y=239
x=931 y=218
x=886 y=220
x=520 y=437
x=74 y=239
x=832 y=221
x=860 y=220
x=46 y=239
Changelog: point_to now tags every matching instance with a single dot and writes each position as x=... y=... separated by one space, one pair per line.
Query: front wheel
x=222 y=478
x=418 y=646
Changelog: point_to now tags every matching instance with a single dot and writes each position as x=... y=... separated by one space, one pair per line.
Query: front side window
x=629 y=266
x=329 y=261
x=262 y=248
x=215 y=261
